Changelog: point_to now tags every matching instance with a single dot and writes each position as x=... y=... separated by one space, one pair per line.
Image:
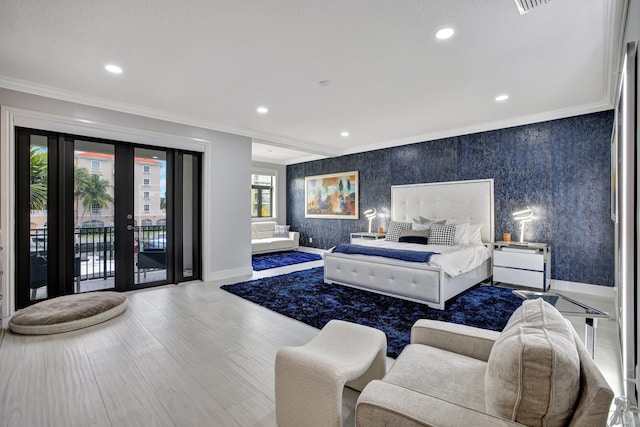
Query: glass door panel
x=94 y=201
x=38 y=236
x=151 y=236
x=188 y=193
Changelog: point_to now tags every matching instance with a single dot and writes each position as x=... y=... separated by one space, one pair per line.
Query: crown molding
x=98 y=102
x=485 y=127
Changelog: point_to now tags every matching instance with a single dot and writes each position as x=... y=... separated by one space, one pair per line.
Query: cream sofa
x=536 y=372
x=262 y=240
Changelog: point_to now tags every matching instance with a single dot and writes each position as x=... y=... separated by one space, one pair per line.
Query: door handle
x=130 y=227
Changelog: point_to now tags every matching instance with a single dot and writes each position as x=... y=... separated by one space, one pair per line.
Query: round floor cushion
x=68 y=313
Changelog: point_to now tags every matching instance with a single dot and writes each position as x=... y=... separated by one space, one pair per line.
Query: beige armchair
x=535 y=372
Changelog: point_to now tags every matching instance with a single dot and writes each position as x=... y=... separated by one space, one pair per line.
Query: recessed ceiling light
x=344 y=133
x=444 y=33
x=112 y=68
x=262 y=110
x=502 y=97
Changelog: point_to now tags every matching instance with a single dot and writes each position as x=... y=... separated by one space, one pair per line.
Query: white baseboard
x=583 y=288
x=312 y=250
x=228 y=274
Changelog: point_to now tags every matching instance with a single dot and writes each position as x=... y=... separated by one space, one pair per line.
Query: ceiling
x=373 y=68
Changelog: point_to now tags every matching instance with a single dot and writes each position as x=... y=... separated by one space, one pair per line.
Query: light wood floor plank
x=187 y=403
x=128 y=398
x=20 y=383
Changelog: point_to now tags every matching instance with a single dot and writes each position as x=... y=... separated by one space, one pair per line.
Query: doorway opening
x=95 y=214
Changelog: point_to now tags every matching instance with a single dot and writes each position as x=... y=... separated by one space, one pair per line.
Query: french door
x=95 y=214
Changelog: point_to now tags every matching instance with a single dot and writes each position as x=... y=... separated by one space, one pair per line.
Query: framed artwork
x=331 y=196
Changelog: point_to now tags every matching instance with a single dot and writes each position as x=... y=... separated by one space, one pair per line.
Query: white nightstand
x=366 y=236
x=522 y=264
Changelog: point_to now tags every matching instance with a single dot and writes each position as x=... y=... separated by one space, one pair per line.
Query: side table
x=526 y=264
x=570 y=307
x=366 y=236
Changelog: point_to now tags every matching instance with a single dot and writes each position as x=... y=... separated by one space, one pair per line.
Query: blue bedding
x=401 y=254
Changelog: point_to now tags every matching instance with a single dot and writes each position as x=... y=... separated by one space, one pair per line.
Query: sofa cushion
x=533 y=371
x=425 y=369
x=262 y=230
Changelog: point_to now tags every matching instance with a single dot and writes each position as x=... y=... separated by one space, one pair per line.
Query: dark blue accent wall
x=560 y=168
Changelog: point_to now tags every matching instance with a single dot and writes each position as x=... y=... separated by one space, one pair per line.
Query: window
x=145 y=195
x=146 y=181
x=262 y=195
x=146 y=169
x=96 y=209
x=96 y=165
x=146 y=208
x=147 y=222
x=161 y=222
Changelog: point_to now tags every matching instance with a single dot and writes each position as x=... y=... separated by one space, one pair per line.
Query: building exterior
x=149 y=208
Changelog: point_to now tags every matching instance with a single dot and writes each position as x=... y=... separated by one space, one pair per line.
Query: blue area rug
x=280 y=259
x=304 y=296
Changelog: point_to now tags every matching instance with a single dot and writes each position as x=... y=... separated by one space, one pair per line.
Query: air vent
x=525 y=6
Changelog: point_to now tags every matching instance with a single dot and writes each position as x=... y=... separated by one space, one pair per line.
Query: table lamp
x=370 y=214
x=524 y=216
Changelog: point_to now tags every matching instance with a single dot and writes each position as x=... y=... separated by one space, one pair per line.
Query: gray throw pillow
x=281 y=231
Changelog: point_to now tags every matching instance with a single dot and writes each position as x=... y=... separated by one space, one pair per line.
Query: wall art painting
x=332 y=196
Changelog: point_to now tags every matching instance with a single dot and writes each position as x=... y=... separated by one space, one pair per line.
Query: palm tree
x=38 y=174
x=81 y=177
x=91 y=190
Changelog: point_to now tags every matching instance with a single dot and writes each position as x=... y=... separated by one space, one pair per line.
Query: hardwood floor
x=185 y=355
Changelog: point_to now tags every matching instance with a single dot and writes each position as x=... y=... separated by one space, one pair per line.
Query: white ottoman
x=310 y=378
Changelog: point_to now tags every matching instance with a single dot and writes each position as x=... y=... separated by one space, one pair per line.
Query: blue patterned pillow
x=393 y=233
x=442 y=234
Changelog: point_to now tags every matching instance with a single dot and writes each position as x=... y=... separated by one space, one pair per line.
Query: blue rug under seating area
x=280 y=259
x=304 y=296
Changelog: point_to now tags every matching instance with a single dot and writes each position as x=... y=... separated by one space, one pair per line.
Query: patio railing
x=95 y=250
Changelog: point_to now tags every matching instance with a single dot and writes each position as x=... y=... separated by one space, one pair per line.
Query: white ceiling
x=210 y=63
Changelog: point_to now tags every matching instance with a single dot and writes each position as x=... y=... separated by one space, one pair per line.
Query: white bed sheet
x=454 y=260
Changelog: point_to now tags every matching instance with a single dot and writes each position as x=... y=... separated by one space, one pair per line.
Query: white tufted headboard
x=456 y=201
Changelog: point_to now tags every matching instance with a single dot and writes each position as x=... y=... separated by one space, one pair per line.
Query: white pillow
x=473 y=235
x=461 y=230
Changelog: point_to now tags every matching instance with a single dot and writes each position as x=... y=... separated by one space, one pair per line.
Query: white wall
x=226 y=181
x=281 y=188
x=229 y=195
x=632 y=29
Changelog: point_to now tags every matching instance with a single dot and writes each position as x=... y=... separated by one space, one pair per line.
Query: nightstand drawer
x=533 y=279
x=518 y=260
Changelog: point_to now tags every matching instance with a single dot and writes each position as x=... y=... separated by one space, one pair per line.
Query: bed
x=434 y=282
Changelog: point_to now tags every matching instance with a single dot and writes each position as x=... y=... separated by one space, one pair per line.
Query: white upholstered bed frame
x=457 y=201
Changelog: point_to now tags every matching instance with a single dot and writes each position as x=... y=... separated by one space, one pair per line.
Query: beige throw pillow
x=533 y=371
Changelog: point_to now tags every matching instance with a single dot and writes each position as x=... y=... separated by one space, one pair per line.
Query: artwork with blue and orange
x=332 y=195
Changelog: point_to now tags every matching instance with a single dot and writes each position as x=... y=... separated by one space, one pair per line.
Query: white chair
x=309 y=379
